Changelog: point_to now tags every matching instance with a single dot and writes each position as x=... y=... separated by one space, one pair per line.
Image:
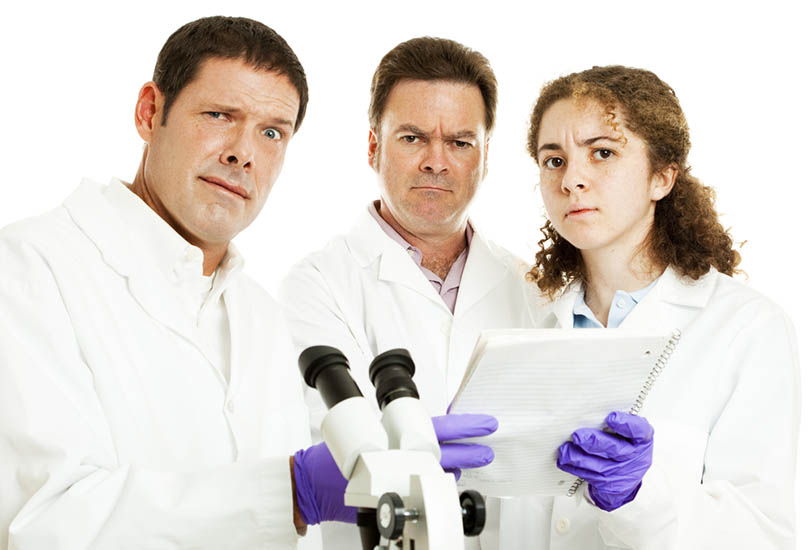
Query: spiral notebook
x=541 y=385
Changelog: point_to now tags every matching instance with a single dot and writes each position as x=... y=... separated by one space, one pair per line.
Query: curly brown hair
x=686 y=232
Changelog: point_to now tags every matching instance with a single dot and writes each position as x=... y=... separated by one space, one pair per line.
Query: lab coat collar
x=95 y=217
x=367 y=242
x=671 y=290
x=483 y=270
x=683 y=291
x=560 y=311
x=152 y=277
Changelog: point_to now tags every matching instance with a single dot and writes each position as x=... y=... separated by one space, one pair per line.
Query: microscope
x=403 y=497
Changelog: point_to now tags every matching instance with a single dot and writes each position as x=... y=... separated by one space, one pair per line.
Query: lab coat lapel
x=123 y=253
x=242 y=334
x=672 y=303
x=559 y=313
x=368 y=242
x=482 y=272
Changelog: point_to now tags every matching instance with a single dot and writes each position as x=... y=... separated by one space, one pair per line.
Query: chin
x=216 y=232
x=583 y=242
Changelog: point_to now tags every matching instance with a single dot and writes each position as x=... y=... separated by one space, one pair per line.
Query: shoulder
x=507 y=258
x=333 y=261
x=734 y=296
x=726 y=305
x=488 y=250
x=37 y=241
x=57 y=232
x=39 y=230
x=36 y=254
x=341 y=261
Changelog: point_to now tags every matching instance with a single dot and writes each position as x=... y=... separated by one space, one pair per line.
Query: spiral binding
x=660 y=363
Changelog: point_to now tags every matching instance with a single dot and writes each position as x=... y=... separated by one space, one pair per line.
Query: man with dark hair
x=414 y=273
x=148 y=395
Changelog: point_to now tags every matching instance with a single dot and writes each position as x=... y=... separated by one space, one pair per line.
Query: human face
x=595 y=179
x=430 y=154
x=209 y=169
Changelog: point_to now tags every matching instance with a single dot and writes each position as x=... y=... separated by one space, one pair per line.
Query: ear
x=148 y=110
x=372 y=148
x=662 y=182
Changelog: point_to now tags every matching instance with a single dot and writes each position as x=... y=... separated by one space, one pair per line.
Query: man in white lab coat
x=414 y=272
x=148 y=398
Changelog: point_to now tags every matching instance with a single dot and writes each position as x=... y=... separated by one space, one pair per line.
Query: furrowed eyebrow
x=549 y=147
x=410 y=129
x=281 y=122
x=464 y=134
x=591 y=141
x=223 y=109
x=275 y=121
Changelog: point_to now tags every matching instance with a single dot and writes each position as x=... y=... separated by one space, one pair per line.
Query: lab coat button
x=230 y=406
x=411 y=252
x=563 y=525
x=620 y=304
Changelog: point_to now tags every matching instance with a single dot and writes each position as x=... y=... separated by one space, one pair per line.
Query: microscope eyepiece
x=391 y=373
x=327 y=369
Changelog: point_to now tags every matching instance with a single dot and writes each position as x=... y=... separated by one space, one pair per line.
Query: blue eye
x=272 y=133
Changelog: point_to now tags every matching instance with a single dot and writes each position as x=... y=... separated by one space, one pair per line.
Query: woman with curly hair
x=633 y=241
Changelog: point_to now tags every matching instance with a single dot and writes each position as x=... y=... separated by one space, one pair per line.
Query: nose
x=574 y=178
x=435 y=159
x=238 y=151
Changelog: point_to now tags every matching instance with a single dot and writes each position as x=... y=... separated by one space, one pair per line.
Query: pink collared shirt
x=448 y=288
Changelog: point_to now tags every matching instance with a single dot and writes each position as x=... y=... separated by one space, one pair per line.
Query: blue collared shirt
x=621 y=306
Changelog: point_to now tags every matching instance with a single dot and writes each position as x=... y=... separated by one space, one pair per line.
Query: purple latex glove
x=319 y=487
x=458 y=456
x=612 y=463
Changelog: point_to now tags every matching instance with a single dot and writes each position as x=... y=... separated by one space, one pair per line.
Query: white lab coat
x=116 y=431
x=725 y=413
x=364 y=295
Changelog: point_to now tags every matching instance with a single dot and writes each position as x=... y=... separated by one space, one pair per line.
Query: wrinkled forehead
x=433 y=102
x=240 y=85
x=584 y=115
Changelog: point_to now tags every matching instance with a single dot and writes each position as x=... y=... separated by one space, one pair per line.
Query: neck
x=212 y=257
x=607 y=272
x=439 y=249
x=212 y=254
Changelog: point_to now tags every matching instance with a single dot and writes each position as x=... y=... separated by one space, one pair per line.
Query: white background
x=71 y=73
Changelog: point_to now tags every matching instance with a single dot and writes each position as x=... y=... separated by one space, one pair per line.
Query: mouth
x=580 y=211
x=430 y=188
x=236 y=189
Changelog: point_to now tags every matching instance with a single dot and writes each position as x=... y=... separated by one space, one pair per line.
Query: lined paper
x=541 y=385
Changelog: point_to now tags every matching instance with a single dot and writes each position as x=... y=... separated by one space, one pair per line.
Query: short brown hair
x=429 y=58
x=230 y=38
x=686 y=232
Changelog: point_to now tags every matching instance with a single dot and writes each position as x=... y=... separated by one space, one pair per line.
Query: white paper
x=541 y=385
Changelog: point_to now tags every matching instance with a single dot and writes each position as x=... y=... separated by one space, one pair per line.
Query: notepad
x=541 y=385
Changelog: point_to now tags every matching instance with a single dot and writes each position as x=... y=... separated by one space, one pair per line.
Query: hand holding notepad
x=612 y=461
x=541 y=385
